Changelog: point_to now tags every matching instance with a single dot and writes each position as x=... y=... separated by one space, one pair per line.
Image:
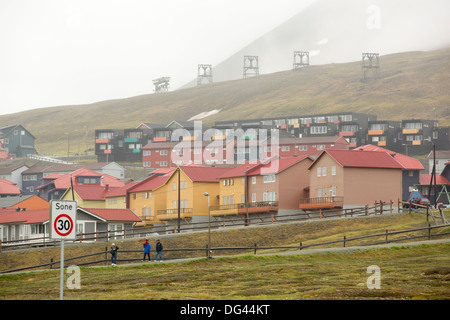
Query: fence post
x=375 y=207
x=387 y=236
x=255 y=249
x=106 y=255
x=381 y=206
x=429 y=231
x=367 y=209
x=344 y=241
x=391 y=203
x=207 y=255
x=0 y=245
x=300 y=246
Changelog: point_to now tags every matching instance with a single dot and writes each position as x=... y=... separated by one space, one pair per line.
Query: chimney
x=107 y=187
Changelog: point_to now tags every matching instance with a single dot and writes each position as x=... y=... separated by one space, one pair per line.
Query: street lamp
x=206 y=194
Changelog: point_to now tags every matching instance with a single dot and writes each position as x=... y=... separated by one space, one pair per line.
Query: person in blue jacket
x=147 y=247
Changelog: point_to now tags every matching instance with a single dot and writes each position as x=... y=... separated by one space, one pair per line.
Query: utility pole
x=179 y=202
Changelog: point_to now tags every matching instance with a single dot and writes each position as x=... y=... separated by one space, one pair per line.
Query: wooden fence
x=216 y=222
x=387 y=237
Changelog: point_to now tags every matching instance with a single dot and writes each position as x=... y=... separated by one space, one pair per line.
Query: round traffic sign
x=63 y=225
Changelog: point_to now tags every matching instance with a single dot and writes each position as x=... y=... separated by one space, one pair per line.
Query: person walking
x=147 y=247
x=113 y=252
x=159 y=249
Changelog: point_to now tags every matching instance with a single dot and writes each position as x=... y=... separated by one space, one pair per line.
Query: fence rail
x=387 y=238
x=229 y=222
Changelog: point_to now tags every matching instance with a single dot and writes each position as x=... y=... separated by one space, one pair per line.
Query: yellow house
x=148 y=196
x=188 y=185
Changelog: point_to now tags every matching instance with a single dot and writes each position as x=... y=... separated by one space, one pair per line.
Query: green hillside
x=412 y=85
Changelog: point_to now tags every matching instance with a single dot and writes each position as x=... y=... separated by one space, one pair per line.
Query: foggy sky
x=66 y=52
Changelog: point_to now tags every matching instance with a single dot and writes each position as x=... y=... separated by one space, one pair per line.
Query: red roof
x=27 y=217
x=275 y=166
x=62 y=181
x=122 y=191
x=406 y=162
x=204 y=174
x=114 y=214
x=362 y=159
x=93 y=192
x=426 y=178
x=8 y=187
x=150 y=183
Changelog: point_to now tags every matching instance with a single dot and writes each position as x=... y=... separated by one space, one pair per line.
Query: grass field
x=407 y=272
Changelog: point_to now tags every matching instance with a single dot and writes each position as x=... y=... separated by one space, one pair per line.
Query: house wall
x=292 y=184
x=367 y=185
x=232 y=187
x=118 y=202
x=329 y=180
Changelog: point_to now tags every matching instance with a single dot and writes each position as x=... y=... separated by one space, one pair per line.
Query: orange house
x=24 y=203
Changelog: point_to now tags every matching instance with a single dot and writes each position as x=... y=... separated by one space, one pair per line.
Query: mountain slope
x=339 y=31
x=412 y=85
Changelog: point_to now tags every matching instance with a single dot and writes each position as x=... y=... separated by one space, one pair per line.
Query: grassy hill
x=412 y=85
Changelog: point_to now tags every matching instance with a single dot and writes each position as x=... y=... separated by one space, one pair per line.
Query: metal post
x=61 y=274
x=179 y=204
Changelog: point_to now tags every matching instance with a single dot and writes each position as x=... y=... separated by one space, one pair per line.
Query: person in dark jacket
x=113 y=252
x=159 y=249
x=147 y=247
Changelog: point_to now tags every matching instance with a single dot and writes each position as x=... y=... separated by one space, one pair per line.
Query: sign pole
x=61 y=281
x=63 y=227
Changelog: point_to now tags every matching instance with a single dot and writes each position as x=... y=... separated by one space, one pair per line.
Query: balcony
x=346 y=133
x=321 y=203
x=375 y=132
x=240 y=208
x=410 y=131
x=172 y=214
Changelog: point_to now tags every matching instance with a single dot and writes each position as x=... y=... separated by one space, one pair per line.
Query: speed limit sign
x=63 y=219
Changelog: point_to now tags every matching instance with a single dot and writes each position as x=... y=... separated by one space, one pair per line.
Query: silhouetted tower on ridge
x=370 y=66
x=161 y=84
x=301 y=59
x=204 y=72
x=251 y=66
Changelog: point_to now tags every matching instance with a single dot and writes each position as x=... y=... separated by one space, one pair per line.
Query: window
x=285 y=148
x=333 y=170
x=243 y=181
x=253 y=180
x=333 y=191
x=319 y=171
x=163 y=152
x=302 y=148
x=321 y=147
x=324 y=171
x=163 y=163
x=318 y=129
x=174 y=186
x=413 y=125
x=144 y=195
x=253 y=197
x=269 y=178
x=269 y=196
x=147 y=152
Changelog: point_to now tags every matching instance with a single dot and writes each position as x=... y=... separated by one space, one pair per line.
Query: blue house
x=17 y=140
